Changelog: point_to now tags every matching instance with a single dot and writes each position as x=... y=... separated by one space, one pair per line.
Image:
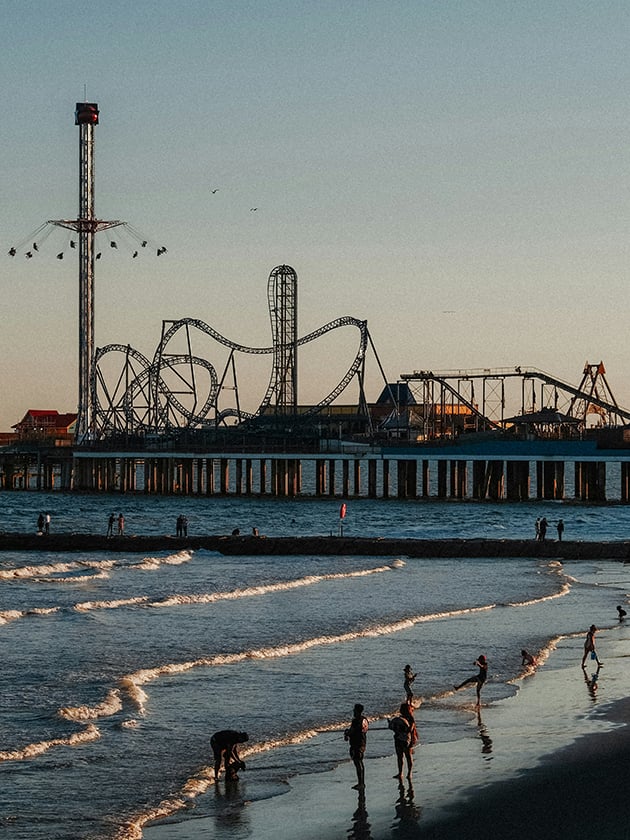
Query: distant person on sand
x=405 y=738
x=40 y=523
x=538 y=528
x=110 y=525
x=356 y=735
x=479 y=679
x=409 y=678
x=621 y=613
x=527 y=658
x=225 y=748
x=589 y=646
x=121 y=525
x=560 y=527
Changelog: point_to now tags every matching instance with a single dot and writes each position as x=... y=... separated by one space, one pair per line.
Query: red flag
x=342 y=511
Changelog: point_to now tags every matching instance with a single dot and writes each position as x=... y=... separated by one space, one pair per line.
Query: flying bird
x=253 y=209
x=214 y=192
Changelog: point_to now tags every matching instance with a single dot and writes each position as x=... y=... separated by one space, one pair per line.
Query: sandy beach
x=550 y=762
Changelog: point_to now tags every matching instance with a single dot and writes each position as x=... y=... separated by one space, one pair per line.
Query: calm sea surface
x=117 y=668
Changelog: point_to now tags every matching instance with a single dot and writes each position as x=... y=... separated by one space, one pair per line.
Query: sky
x=456 y=173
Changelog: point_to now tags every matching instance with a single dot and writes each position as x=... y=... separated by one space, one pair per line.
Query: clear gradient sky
x=455 y=172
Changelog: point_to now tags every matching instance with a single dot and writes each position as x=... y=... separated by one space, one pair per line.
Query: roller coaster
x=134 y=395
x=448 y=402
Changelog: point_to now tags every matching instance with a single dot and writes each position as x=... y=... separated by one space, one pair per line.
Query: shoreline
x=322 y=545
x=573 y=784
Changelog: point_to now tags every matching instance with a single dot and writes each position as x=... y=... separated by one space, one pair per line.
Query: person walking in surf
x=589 y=646
x=409 y=678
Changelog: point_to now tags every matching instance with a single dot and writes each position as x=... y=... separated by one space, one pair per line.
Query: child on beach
x=482 y=663
x=409 y=678
x=589 y=646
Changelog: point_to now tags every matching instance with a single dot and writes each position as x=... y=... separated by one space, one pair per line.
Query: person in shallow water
x=589 y=646
x=479 y=679
x=225 y=749
x=356 y=735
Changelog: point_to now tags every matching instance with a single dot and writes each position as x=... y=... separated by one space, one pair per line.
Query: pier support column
x=263 y=476
x=386 y=478
x=441 y=479
x=238 y=476
x=625 y=482
x=372 y=479
x=401 y=479
x=494 y=480
x=345 y=479
x=249 y=476
x=424 y=491
x=331 y=477
x=224 y=467
x=357 y=477
x=517 y=481
x=320 y=477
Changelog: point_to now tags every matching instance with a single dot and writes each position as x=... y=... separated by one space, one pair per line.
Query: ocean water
x=117 y=668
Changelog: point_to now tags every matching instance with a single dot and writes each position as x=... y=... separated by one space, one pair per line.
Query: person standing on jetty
x=110 y=525
x=589 y=646
x=405 y=738
x=479 y=679
x=47 y=523
x=409 y=678
x=621 y=613
x=40 y=523
x=356 y=735
x=560 y=528
x=121 y=525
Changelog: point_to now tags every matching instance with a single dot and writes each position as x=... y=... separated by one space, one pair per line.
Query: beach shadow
x=408 y=813
x=360 y=828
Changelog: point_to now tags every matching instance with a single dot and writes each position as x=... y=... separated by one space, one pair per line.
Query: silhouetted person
x=621 y=613
x=543 y=528
x=40 y=523
x=121 y=525
x=47 y=523
x=110 y=525
x=405 y=737
x=356 y=735
x=409 y=678
x=479 y=679
x=589 y=646
x=225 y=748
x=560 y=527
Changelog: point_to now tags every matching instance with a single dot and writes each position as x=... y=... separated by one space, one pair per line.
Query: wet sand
x=549 y=763
x=321 y=545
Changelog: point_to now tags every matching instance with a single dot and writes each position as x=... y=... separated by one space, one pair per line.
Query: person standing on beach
x=560 y=527
x=589 y=646
x=479 y=679
x=405 y=738
x=409 y=678
x=356 y=735
x=225 y=748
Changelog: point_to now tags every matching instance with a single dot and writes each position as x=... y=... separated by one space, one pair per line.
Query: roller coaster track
x=590 y=396
x=137 y=398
